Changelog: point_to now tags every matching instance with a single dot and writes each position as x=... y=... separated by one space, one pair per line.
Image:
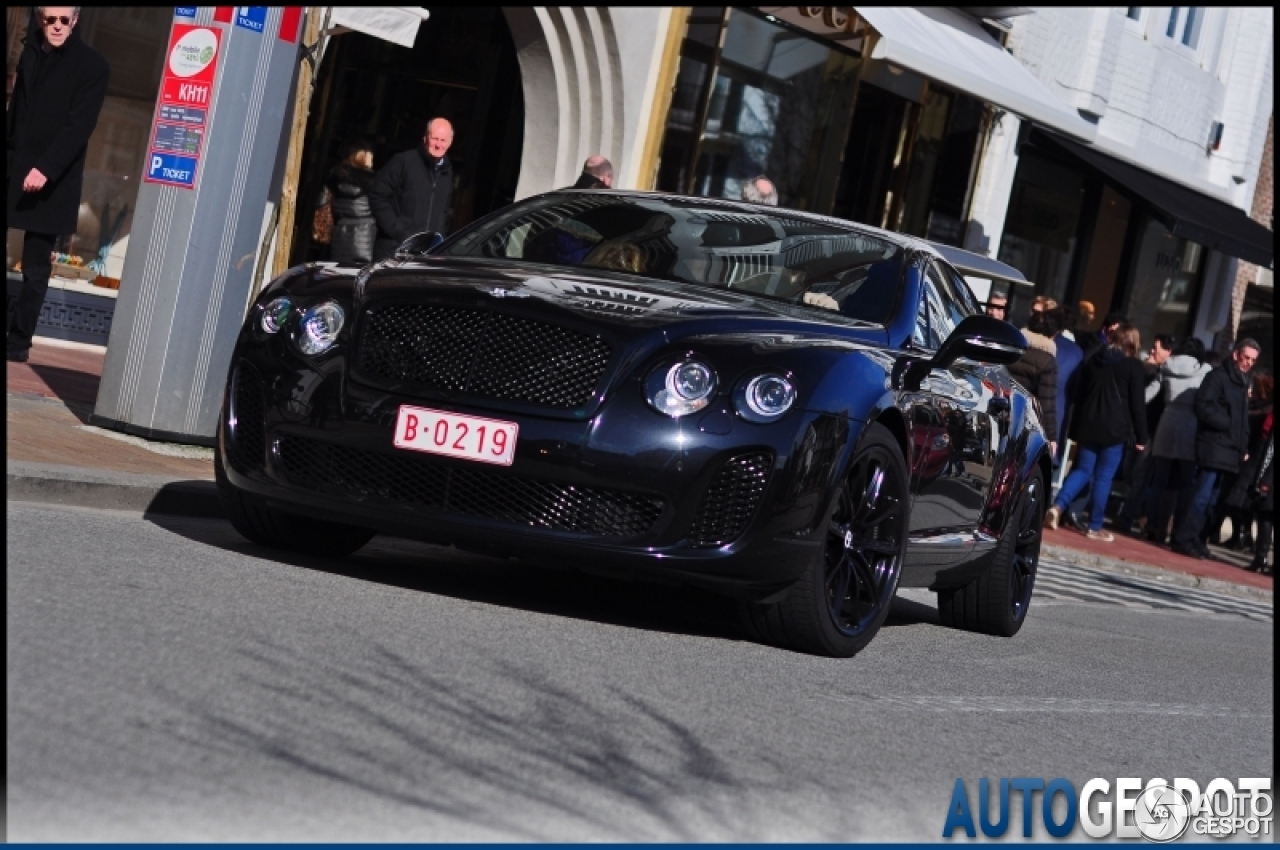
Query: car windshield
x=771 y=254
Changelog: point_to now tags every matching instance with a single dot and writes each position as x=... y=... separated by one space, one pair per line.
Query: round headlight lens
x=319 y=328
x=275 y=314
x=691 y=382
x=681 y=389
x=766 y=397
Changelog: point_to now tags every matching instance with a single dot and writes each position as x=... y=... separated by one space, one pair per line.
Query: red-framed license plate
x=421 y=429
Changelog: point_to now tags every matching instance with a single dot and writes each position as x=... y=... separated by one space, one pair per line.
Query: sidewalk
x=53 y=455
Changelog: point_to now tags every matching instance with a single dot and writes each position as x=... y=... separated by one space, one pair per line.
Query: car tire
x=839 y=603
x=996 y=602
x=277 y=529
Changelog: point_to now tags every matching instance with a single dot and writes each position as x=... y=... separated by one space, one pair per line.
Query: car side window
x=959 y=295
x=920 y=333
x=942 y=319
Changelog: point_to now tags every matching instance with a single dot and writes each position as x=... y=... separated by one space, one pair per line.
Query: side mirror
x=981 y=338
x=418 y=245
x=984 y=339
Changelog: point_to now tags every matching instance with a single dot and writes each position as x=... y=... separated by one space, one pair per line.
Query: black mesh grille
x=248 y=434
x=485 y=354
x=731 y=499
x=412 y=480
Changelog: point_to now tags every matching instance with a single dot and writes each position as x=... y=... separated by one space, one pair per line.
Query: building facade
x=1114 y=155
x=1150 y=218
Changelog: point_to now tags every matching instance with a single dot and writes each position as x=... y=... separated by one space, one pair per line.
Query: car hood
x=609 y=299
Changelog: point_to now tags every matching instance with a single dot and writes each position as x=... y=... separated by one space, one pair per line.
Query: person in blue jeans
x=1110 y=409
x=1222 y=441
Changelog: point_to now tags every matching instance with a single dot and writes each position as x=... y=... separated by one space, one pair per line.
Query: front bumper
x=708 y=499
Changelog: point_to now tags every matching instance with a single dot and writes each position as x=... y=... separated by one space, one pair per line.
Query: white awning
x=953 y=49
x=397 y=24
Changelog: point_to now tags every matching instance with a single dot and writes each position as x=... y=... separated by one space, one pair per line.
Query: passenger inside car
x=617 y=255
x=862 y=292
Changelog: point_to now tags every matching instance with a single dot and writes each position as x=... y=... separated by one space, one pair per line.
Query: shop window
x=878 y=124
x=941 y=167
x=1167 y=277
x=776 y=102
x=133 y=41
x=1040 y=236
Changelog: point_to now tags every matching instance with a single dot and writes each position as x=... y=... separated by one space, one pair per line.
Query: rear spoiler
x=976 y=265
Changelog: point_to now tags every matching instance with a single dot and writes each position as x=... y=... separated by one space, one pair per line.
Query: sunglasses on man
x=50 y=20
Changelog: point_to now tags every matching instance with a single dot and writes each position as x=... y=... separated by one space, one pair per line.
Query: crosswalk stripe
x=1103 y=593
x=1068 y=582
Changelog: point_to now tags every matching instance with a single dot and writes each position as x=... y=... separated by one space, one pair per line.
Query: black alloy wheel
x=862 y=559
x=996 y=602
x=1026 y=548
x=841 y=601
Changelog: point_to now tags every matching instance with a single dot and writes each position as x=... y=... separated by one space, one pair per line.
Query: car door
x=952 y=413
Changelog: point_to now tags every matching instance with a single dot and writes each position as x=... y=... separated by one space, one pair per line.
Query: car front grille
x=731 y=499
x=412 y=481
x=248 y=426
x=491 y=355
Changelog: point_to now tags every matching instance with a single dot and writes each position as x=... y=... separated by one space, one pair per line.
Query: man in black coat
x=60 y=87
x=413 y=193
x=1222 y=440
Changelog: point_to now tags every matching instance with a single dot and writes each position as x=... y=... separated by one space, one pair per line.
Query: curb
x=1114 y=565
x=122 y=491
x=74 y=486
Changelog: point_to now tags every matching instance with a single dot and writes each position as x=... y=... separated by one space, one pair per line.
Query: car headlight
x=682 y=388
x=764 y=398
x=318 y=330
x=275 y=314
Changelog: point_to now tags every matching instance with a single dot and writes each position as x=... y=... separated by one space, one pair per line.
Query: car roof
x=729 y=204
x=965 y=262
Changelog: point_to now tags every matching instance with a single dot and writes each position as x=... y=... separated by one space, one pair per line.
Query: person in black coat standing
x=57 y=96
x=1110 y=408
x=346 y=190
x=1222 y=441
x=413 y=193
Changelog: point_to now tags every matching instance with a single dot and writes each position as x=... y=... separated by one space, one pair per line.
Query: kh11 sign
x=182 y=114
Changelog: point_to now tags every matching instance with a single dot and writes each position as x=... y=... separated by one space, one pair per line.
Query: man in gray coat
x=1173 y=449
x=57 y=96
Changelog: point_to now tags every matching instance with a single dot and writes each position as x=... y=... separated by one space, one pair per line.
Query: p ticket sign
x=182 y=114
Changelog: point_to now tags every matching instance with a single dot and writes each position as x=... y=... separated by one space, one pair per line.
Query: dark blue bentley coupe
x=797 y=411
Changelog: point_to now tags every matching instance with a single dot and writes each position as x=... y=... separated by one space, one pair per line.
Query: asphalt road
x=167 y=681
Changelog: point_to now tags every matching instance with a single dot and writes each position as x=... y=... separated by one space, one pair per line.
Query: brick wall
x=1262 y=211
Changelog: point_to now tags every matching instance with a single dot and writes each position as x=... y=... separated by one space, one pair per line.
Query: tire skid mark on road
x=1070 y=583
x=1014 y=704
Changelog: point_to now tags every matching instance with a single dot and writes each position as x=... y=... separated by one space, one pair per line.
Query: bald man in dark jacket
x=413 y=193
